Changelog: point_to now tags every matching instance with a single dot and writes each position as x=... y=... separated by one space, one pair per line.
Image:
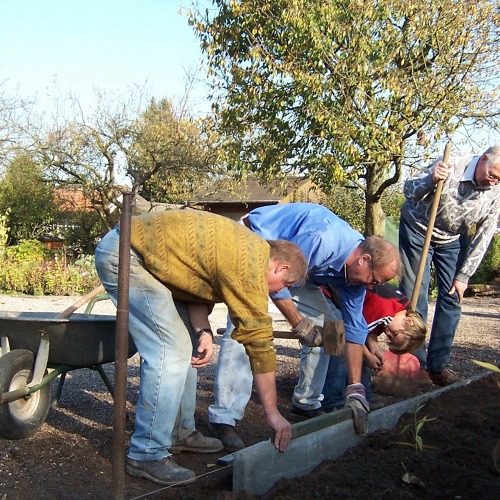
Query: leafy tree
x=4 y=232
x=336 y=89
x=125 y=145
x=349 y=204
x=169 y=154
x=87 y=152
x=27 y=199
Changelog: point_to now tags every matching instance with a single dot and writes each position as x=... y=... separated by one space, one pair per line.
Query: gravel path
x=478 y=335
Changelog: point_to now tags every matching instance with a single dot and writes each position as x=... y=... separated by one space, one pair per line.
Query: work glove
x=308 y=333
x=355 y=399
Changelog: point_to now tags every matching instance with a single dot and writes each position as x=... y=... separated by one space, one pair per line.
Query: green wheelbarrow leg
x=41 y=360
x=59 y=390
x=105 y=379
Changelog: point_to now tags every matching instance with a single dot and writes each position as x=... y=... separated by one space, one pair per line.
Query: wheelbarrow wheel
x=23 y=417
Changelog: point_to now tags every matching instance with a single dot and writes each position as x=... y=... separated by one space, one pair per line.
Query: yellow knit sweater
x=203 y=257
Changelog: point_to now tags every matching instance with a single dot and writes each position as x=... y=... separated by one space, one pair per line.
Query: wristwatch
x=204 y=330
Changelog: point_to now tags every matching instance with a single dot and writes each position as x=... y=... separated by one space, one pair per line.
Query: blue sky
x=59 y=46
x=56 y=47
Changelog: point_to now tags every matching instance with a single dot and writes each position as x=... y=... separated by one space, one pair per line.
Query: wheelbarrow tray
x=82 y=340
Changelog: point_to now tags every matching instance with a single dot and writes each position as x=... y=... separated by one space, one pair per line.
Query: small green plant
x=416 y=427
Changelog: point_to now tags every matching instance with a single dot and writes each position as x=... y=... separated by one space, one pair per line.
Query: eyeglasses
x=373 y=281
x=491 y=178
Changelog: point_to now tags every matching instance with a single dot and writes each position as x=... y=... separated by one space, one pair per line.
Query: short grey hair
x=493 y=155
x=382 y=253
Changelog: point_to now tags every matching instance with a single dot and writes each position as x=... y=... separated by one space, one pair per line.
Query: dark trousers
x=447 y=260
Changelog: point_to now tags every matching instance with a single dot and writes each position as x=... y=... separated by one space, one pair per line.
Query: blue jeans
x=447 y=259
x=233 y=381
x=162 y=333
x=336 y=380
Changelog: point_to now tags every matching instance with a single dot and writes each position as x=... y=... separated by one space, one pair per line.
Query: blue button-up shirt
x=326 y=241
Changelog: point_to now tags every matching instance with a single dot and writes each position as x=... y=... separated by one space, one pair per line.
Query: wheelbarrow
x=38 y=347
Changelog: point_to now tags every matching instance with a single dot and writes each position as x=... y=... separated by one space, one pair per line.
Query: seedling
x=490 y=366
x=416 y=427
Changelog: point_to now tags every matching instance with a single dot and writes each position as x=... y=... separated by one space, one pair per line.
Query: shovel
x=86 y=298
x=428 y=234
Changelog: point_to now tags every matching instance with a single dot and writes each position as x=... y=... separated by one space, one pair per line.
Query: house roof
x=71 y=198
x=251 y=191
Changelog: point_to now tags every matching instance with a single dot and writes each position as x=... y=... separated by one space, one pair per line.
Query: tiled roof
x=71 y=198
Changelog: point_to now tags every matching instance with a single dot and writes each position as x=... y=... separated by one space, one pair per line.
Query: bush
x=28 y=250
x=80 y=231
x=490 y=264
x=33 y=276
x=348 y=204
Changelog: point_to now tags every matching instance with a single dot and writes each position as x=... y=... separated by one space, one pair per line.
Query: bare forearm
x=289 y=310
x=371 y=342
x=198 y=316
x=266 y=387
x=366 y=352
x=265 y=384
x=354 y=360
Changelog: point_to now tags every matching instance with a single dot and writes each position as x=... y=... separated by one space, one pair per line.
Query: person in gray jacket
x=470 y=198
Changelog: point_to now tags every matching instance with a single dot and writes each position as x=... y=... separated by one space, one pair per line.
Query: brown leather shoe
x=423 y=378
x=164 y=471
x=444 y=377
x=227 y=435
x=197 y=443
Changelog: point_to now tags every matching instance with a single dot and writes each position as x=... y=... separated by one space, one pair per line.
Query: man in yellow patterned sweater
x=182 y=256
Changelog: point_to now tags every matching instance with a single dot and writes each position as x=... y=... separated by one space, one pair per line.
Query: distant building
x=251 y=194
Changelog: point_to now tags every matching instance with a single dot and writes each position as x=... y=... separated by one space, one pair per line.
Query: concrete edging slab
x=258 y=467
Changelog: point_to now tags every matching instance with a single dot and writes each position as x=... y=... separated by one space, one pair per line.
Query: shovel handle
x=428 y=234
x=86 y=298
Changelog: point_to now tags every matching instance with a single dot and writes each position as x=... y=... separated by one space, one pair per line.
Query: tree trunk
x=374 y=215
x=374 y=218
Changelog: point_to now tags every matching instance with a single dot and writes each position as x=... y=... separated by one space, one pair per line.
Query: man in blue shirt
x=336 y=254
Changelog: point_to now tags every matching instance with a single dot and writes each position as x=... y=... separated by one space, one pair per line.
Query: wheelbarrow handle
x=86 y=298
x=428 y=234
